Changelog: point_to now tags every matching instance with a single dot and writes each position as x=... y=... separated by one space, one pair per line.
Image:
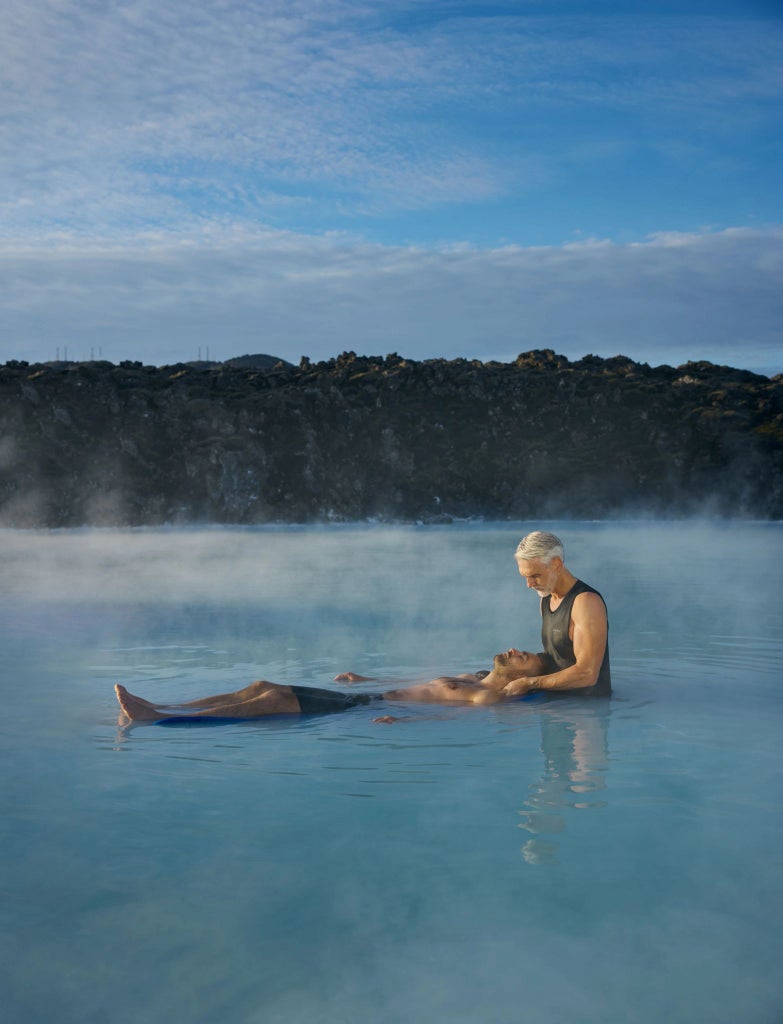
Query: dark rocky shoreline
x=357 y=438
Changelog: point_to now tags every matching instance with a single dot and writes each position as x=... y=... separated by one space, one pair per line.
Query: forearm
x=575 y=677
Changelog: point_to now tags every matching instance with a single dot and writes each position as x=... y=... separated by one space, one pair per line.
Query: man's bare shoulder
x=588 y=604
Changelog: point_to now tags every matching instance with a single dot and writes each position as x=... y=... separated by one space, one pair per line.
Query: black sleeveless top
x=559 y=648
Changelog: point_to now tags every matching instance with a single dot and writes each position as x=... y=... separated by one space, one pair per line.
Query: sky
x=184 y=179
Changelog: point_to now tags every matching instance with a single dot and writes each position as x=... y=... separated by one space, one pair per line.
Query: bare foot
x=388 y=719
x=352 y=677
x=139 y=700
x=136 y=709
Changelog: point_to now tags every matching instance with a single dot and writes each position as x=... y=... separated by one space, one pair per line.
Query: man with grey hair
x=574 y=625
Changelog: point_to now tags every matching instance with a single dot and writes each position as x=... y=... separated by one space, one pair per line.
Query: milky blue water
x=582 y=861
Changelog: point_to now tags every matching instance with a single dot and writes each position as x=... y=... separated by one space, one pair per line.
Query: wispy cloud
x=209 y=173
x=150 y=113
x=670 y=298
x=177 y=96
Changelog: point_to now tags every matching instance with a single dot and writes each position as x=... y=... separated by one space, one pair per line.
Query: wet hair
x=539 y=544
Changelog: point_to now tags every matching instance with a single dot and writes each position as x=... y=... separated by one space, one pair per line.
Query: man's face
x=514 y=664
x=539 y=575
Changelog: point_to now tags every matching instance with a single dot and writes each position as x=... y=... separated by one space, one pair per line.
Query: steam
x=450 y=871
x=409 y=596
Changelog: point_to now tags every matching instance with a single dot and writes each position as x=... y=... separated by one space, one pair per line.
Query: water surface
x=582 y=861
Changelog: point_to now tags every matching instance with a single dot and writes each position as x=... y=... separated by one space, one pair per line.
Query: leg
x=254 y=701
x=234 y=697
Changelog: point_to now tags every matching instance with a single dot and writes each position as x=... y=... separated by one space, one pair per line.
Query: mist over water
x=577 y=861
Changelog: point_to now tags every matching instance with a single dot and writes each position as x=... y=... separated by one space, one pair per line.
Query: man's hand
x=519 y=687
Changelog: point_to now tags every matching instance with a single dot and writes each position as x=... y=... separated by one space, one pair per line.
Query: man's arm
x=588 y=618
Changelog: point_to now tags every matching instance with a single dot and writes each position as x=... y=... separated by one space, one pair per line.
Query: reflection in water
x=340 y=907
x=576 y=760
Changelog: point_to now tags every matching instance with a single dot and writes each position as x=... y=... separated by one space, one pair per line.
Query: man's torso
x=559 y=646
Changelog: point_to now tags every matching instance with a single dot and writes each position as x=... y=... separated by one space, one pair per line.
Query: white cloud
x=138 y=113
x=172 y=93
x=133 y=132
x=671 y=298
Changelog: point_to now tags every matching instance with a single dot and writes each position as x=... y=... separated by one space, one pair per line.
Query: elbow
x=584 y=678
x=591 y=678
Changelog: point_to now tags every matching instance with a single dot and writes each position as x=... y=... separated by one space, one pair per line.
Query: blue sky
x=431 y=178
